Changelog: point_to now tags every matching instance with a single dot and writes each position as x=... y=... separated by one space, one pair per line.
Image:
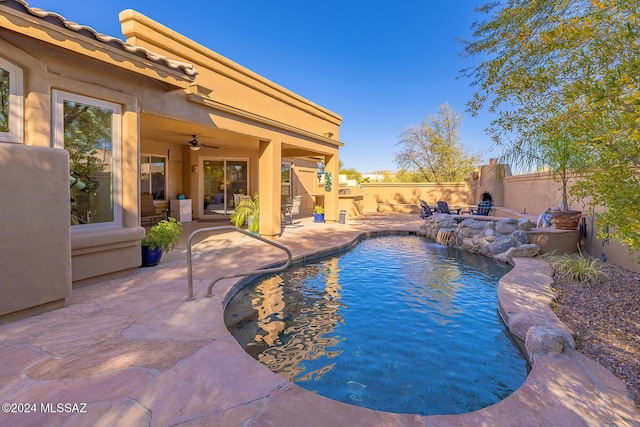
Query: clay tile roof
x=59 y=20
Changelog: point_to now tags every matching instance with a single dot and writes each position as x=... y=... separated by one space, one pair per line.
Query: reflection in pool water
x=397 y=324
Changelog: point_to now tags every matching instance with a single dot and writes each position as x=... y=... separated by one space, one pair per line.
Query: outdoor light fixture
x=194 y=145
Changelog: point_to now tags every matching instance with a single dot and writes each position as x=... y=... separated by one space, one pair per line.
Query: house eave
x=261 y=120
x=83 y=40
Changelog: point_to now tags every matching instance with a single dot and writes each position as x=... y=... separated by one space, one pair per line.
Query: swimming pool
x=397 y=324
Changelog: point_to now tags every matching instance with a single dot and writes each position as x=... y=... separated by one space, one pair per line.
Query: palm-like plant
x=248 y=210
x=563 y=156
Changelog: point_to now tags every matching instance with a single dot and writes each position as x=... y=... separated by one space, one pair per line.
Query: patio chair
x=148 y=214
x=443 y=207
x=292 y=209
x=484 y=208
x=426 y=210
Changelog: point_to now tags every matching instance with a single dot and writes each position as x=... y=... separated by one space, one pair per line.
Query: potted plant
x=248 y=211
x=318 y=214
x=564 y=158
x=162 y=237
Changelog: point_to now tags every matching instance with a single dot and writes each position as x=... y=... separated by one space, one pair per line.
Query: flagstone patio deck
x=137 y=354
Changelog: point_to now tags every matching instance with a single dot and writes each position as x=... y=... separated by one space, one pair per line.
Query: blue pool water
x=397 y=324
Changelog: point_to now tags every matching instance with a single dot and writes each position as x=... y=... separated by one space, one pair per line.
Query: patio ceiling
x=178 y=132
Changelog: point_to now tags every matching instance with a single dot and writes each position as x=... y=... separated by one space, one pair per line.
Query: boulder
x=524 y=224
x=521 y=237
x=502 y=245
x=506 y=226
x=544 y=340
x=522 y=251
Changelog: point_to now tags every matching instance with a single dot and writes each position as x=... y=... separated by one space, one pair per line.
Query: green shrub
x=165 y=235
x=576 y=268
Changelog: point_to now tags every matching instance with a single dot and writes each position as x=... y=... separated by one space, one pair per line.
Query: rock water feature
x=501 y=239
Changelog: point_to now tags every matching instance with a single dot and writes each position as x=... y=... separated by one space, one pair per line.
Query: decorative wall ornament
x=327 y=181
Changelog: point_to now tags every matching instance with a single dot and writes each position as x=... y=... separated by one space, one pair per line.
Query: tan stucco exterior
x=241 y=113
x=35 y=261
x=168 y=88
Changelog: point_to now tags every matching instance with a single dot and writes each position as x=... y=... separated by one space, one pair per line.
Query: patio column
x=269 y=164
x=331 y=197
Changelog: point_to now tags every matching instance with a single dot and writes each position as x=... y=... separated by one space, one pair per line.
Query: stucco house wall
x=163 y=100
x=35 y=262
x=228 y=84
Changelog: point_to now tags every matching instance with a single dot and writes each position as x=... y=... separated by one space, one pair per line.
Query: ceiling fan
x=195 y=145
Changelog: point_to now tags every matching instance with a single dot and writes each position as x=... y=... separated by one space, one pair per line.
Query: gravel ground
x=606 y=320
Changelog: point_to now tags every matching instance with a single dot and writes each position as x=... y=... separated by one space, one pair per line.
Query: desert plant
x=576 y=268
x=564 y=157
x=248 y=210
x=164 y=235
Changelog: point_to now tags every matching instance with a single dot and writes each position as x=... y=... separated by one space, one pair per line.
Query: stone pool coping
x=138 y=354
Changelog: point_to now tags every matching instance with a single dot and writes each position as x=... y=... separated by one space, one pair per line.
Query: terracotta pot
x=566 y=220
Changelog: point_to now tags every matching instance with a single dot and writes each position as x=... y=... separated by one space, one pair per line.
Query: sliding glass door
x=223 y=180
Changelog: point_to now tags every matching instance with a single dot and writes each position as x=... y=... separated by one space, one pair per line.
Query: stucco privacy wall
x=539 y=191
x=405 y=197
x=35 y=262
x=533 y=192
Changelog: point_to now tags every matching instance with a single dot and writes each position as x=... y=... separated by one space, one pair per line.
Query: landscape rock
x=521 y=237
x=544 y=340
x=523 y=251
x=502 y=245
x=502 y=239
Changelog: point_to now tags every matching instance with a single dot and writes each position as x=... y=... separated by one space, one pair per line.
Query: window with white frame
x=89 y=129
x=11 y=103
x=153 y=176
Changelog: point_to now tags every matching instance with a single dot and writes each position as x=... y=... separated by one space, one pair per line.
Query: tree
x=351 y=173
x=568 y=69
x=4 y=100
x=563 y=157
x=432 y=151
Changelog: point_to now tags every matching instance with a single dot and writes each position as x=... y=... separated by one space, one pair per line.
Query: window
x=89 y=129
x=285 y=182
x=11 y=103
x=153 y=176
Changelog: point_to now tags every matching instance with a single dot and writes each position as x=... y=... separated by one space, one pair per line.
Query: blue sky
x=381 y=65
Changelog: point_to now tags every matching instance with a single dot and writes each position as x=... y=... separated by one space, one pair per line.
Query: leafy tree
x=432 y=150
x=87 y=136
x=351 y=173
x=568 y=69
x=88 y=139
x=4 y=100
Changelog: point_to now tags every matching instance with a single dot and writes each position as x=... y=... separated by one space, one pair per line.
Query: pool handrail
x=209 y=293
